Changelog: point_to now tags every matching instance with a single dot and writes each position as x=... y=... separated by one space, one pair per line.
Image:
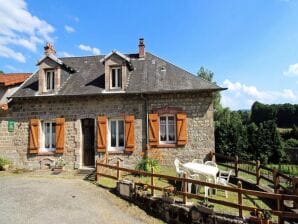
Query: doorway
x=88 y=142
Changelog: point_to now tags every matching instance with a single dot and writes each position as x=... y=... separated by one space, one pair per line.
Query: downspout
x=147 y=124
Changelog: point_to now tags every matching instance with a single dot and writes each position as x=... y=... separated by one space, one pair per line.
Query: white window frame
x=117 y=147
x=167 y=141
x=43 y=137
x=117 y=69
x=52 y=80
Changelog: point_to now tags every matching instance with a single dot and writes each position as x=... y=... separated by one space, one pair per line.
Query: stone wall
x=197 y=106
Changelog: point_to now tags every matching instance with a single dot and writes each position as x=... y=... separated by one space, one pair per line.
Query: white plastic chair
x=210 y=163
x=203 y=178
x=197 y=161
x=223 y=179
x=179 y=171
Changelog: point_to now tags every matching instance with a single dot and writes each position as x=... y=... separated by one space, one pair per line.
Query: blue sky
x=250 y=45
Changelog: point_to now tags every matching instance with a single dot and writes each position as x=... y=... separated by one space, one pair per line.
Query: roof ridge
x=88 y=56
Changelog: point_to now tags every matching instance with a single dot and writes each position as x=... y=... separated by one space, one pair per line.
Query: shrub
x=3 y=162
x=146 y=164
x=292 y=142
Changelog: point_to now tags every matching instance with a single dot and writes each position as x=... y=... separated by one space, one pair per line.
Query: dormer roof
x=58 y=61
x=114 y=52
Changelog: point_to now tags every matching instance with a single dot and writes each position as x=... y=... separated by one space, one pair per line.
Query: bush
x=292 y=143
x=146 y=164
x=4 y=162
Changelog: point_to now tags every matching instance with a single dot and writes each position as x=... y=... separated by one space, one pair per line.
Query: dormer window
x=116 y=78
x=50 y=80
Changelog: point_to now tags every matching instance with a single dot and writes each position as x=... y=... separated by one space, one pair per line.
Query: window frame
x=52 y=80
x=43 y=148
x=167 y=141
x=116 y=148
x=117 y=77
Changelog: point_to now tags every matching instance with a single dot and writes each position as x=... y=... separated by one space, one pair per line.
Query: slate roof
x=150 y=75
x=11 y=79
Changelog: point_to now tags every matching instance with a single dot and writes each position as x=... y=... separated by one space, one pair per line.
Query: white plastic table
x=202 y=169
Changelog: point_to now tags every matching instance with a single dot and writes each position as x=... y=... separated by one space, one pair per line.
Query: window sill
x=116 y=152
x=167 y=146
x=46 y=153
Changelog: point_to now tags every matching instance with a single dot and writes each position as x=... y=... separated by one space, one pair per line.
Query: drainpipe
x=147 y=124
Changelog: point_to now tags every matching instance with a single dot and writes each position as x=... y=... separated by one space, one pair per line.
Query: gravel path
x=25 y=199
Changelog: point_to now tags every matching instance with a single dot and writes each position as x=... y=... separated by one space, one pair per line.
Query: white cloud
x=69 y=29
x=93 y=50
x=20 y=28
x=11 y=68
x=66 y=54
x=9 y=53
x=241 y=96
x=292 y=70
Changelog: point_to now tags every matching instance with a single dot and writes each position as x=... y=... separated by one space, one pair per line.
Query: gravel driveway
x=33 y=200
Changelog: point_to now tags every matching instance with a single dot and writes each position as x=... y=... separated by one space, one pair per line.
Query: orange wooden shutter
x=60 y=123
x=129 y=133
x=34 y=136
x=101 y=133
x=181 y=128
x=153 y=129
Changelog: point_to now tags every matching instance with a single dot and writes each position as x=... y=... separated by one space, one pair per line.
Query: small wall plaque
x=10 y=126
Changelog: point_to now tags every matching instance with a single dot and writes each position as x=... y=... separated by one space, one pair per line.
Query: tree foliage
x=208 y=76
x=285 y=115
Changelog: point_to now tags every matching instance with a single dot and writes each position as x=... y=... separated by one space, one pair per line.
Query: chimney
x=141 y=48
x=49 y=49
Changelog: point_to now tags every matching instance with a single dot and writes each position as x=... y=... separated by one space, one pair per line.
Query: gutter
x=147 y=117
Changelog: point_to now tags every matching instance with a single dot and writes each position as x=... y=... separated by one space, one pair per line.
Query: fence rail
x=256 y=169
x=279 y=198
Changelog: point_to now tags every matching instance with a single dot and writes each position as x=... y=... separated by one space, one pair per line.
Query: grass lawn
x=220 y=195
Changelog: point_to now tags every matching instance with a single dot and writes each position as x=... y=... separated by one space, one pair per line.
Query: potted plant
x=260 y=217
x=4 y=163
x=168 y=194
x=59 y=164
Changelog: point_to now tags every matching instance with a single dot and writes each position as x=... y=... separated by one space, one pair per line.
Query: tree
x=1 y=72
x=208 y=76
x=269 y=145
x=230 y=133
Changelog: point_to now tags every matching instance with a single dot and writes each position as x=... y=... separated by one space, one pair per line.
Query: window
x=167 y=129
x=50 y=80
x=48 y=136
x=116 y=78
x=116 y=134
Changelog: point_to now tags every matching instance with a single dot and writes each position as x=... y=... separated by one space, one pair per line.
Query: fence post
x=96 y=169
x=212 y=155
x=184 y=184
x=280 y=207
x=295 y=190
x=258 y=172
x=239 y=184
x=236 y=166
x=275 y=180
x=152 y=181
x=118 y=171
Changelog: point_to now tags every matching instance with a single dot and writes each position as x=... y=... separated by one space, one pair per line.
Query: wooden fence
x=275 y=177
x=279 y=198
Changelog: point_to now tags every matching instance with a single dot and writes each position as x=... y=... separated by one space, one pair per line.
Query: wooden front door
x=88 y=142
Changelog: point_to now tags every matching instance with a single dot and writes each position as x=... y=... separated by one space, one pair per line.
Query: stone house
x=82 y=108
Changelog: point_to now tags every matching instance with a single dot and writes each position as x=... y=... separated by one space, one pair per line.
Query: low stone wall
x=176 y=212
